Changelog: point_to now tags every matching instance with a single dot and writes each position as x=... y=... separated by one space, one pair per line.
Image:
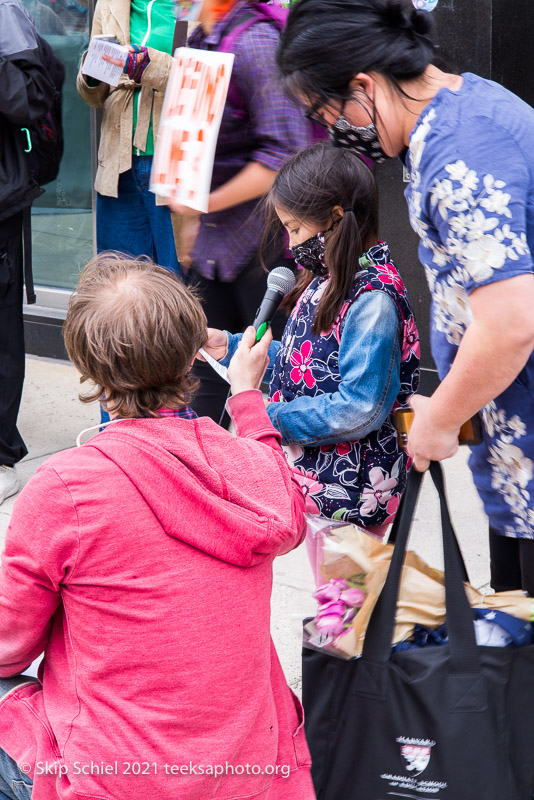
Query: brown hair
x=309 y=186
x=133 y=329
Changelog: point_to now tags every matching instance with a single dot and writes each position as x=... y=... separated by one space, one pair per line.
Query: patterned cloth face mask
x=310 y=254
x=362 y=140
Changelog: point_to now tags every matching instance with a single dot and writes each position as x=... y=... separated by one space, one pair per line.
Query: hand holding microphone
x=280 y=282
x=249 y=362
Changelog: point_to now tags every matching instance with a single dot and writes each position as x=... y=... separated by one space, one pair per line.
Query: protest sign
x=189 y=126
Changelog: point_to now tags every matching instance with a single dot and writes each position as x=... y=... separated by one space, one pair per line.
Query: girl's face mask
x=187 y=10
x=310 y=254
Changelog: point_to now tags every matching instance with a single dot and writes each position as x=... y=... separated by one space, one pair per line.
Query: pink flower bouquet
x=339 y=600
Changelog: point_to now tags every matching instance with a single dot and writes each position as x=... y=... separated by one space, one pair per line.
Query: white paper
x=95 y=66
x=219 y=369
x=189 y=126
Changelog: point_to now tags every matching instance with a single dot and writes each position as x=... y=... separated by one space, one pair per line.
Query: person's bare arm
x=253 y=181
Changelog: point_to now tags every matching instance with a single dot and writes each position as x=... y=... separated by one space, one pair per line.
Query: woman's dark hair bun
x=401 y=14
x=397 y=15
x=421 y=22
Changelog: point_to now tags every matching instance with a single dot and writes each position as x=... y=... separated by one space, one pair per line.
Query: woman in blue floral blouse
x=364 y=68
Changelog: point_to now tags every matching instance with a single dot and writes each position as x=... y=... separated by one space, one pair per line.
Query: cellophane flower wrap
x=353 y=566
x=345 y=559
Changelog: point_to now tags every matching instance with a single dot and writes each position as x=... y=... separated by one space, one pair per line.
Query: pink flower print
x=410 y=342
x=393 y=504
x=389 y=275
x=391 y=507
x=301 y=362
x=308 y=482
x=341 y=448
x=379 y=493
x=276 y=398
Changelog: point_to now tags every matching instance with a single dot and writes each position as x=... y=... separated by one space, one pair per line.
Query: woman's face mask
x=362 y=140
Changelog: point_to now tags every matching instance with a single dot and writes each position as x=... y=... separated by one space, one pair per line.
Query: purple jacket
x=271 y=130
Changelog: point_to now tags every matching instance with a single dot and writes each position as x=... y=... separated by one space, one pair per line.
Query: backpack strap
x=259 y=12
x=238 y=27
x=27 y=244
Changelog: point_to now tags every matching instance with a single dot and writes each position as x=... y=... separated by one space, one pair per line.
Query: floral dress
x=471 y=201
x=362 y=480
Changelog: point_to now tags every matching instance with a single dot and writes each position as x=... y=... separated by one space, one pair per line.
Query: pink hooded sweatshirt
x=141 y=563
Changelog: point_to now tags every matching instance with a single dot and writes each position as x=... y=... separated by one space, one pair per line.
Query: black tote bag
x=448 y=723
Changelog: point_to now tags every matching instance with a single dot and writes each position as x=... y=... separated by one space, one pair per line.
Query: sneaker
x=9 y=482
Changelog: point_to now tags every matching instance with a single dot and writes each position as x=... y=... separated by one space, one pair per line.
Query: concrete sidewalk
x=52 y=416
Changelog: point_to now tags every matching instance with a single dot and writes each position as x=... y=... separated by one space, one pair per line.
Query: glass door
x=62 y=228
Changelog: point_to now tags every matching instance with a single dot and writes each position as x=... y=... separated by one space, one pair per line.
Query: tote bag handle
x=462 y=641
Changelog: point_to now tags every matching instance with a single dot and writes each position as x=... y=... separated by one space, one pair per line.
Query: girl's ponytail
x=355 y=233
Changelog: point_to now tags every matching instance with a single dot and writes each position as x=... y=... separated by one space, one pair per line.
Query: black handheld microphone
x=280 y=281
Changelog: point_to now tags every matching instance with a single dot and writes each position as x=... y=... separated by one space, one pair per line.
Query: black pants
x=512 y=563
x=230 y=306
x=12 y=447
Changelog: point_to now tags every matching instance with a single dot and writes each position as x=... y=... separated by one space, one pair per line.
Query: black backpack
x=43 y=150
x=43 y=138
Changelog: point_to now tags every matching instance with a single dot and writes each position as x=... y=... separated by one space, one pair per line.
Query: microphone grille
x=281 y=279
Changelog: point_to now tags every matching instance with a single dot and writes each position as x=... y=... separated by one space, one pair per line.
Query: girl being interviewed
x=349 y=354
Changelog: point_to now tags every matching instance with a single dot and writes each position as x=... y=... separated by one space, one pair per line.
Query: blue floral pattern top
x=361 y=480
x=471 y=201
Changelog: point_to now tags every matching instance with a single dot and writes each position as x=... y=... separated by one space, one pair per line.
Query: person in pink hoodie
x=141 y=564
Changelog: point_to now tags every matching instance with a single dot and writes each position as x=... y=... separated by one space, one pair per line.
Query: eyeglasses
x=314 y=115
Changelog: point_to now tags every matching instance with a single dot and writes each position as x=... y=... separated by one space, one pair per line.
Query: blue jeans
x=14 y=783
x=132 y=222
